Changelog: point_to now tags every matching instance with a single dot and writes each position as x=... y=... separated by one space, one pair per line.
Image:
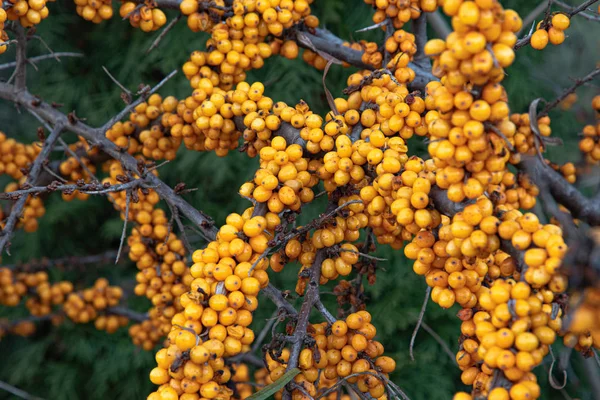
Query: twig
x=440 y=341
x=126 y=312
x=371 y=27
x=36 y=265
x=144 y=95
x=79 y=160
x=419 y=322
x=579 y=82
x=32 y=177
x=264 y=331
x=498 y=132
x=125 y=219
x=42 y=57
x=590 y=17
x=164 y=32
x=90 y=188
x=18 y=392
x=530 y=18
x=278 y=299
x=116 y=82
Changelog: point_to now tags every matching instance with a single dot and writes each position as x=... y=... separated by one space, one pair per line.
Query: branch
x=144 y=94
x=310 y=299
x=420 y=32
x=419 y=322
x=36 y=265
x=326 y=42
x=566 y=194
x=574 y=11
x=88 y=188
x=126 y=312
x=18 y=392
x=41 y=58
x=277 y=298
x=443 y=204
x=164 y=32
x=96 y=136
x=583 y=14
x=439 y=24
x=32 y=178
x=528 y=20
x=20 y=73
x=578 y=82
x=440 y=341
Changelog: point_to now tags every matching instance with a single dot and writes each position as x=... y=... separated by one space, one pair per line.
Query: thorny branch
x=88 y=188
x=96 y=137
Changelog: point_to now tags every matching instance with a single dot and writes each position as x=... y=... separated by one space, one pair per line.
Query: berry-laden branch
x=96 y=137
x=88 y=188
x=310 y=299
x=572 y=12
x=581 y=207
x=32 y=178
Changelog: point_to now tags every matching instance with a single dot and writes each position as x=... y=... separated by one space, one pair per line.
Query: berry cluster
x=28 y=12
x=94 y=10
x=552 y=30
x=590 y=142
x=402 y=11
x=343 y=348
x=145 y=16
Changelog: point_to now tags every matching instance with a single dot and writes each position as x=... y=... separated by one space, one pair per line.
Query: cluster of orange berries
x=584 y=328
x=93 y=304
x=32 y=211
x=342 y=348
x=147 y=333
x=19 y=328
x=146 y=17
x=401 y=11
x=590 y=142
x=15 y=156
x=283 y=180
x=28 y=12
x=94 y=10
x=217 y=310
x=78 y=168
x=157 y=252
x=150 y=130
x=519 y=317
x=41 y=295
x=552 y=31
x=525 y=141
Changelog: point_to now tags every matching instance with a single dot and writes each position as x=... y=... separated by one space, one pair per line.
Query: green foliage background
x=78 y=362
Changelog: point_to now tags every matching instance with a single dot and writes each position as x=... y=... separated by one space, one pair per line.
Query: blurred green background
x=78 y=362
